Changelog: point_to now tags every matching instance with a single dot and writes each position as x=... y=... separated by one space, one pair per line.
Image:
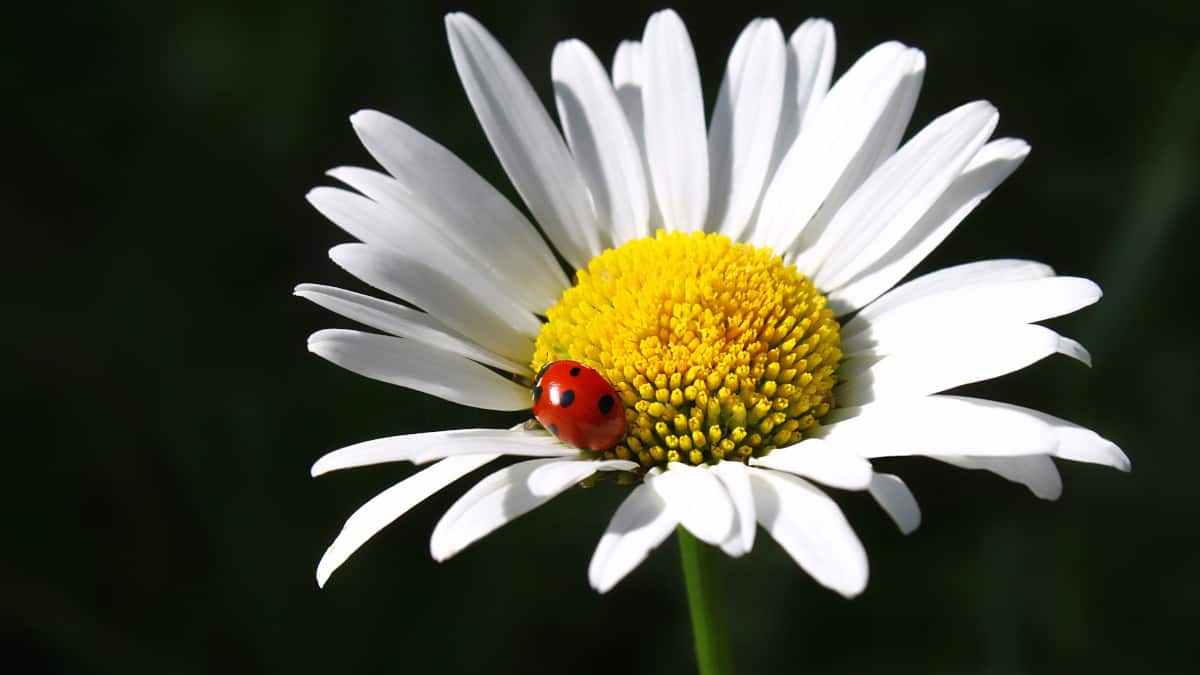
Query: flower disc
x=717 y=350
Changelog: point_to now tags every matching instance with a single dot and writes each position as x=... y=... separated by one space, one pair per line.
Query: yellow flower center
x=717 y=350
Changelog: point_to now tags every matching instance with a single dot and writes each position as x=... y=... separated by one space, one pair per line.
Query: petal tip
x=440 y=551
x=320 y=467
x=853 y=591
x=568 y=44
x=458 y=22
x=341 y=253
x=364 y=117
x=338 y=172
x=1122 y=462
x=326 y=567
x=667 y=13
x=319 y=338
x=918 y=60
x=599 y=583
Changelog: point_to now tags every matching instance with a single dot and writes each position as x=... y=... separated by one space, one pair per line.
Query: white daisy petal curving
x=820 y=461
x=735 y=285
x=392 y=503
x=811 y=51
x=990 y=166
x=638 y=526
x=433 y=445
x=463 y=208
x=828 y=144
x=742 y=136
x=508 y=493
x=479 y=315
x=405 y=322
x=601 y=141
x=1036 y=472
x=530 y=148
x=673 y=110
x=628 y=77
x=699 y=499
x=411 y=364
x=736 y=478
x=811 y=528
x=897 y=500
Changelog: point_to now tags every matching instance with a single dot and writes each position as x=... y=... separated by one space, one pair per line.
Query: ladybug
x=579 y=406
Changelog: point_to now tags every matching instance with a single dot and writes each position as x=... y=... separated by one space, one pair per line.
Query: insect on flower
x=579 y=406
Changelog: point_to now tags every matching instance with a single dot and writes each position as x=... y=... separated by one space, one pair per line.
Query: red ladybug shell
x=576 y=404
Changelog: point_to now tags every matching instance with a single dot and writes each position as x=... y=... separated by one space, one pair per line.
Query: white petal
x=896 y=500
x=742 y=135
x=384 y=227
x=937 y=425
x=545 y=446
x=878 y=146
x=467 y=209
x=1084 y=445
x=389 y=505
x=1036 y=472
x=601 y=140
x=813 y=47
x=550 y=479
x=811 y=528
x=988 y=303
x=405 y=234
x=524 y=139
x=829 y=142
x=529 y=288
x=494 y=501
x=404 y=322
x=700 y=502
x=947 y=279
x=674 y=123
x=408 y=363
x=810 y=58
x=736 y=479
x=431 y=445
x=820 y=461
x=629 y=76
x=990 y=166
x=1075 y=443
x=637 y=527
x=948 y=360
x=897 y=194
x=478 y=313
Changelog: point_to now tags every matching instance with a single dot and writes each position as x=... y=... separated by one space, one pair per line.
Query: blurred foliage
x=165 y=412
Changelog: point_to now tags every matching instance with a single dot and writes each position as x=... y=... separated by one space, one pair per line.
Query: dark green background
x=163 y=412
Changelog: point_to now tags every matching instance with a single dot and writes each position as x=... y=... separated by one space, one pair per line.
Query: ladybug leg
x=523 y=380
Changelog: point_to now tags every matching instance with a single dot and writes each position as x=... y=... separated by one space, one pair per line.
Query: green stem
x=708 y=616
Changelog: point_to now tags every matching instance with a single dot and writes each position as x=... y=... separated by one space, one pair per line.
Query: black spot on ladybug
x=538 y=378
x=537 y=394
x=567 y=398
x=575 y=371
x=553 y=429
x=606 y=403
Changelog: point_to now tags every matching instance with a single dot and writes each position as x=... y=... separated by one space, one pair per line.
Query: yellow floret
x=717 y=349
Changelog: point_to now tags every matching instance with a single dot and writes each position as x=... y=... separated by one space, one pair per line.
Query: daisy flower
x=735 y=283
